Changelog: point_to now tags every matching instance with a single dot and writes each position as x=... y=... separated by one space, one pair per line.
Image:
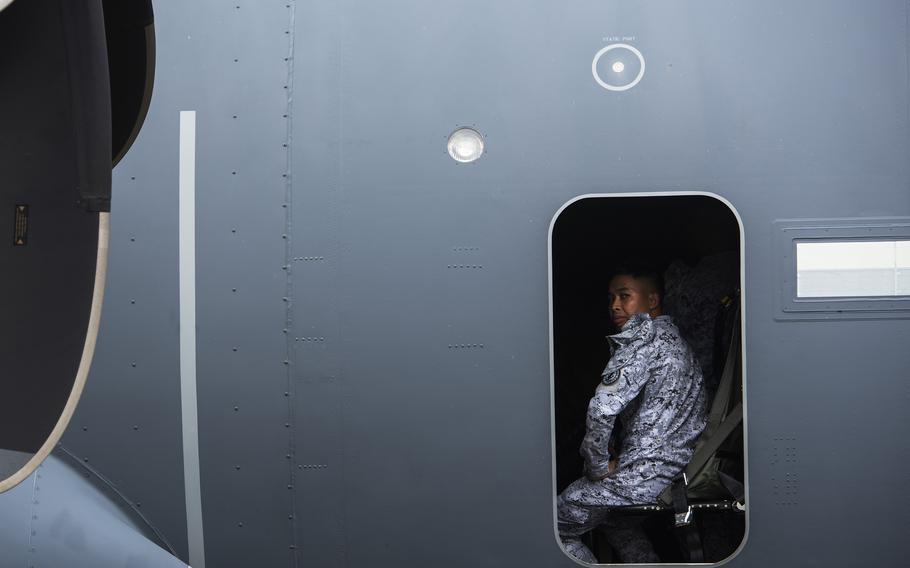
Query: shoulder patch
x=609 y=379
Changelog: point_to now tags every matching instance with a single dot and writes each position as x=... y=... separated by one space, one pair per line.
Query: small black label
x=20 y=236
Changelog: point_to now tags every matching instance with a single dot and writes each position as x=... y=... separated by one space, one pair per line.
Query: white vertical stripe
x=187 y=222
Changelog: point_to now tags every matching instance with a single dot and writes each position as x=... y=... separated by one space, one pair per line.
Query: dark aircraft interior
x=694 y=241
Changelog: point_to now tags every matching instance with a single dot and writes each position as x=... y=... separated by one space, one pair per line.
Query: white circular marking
x=618 y=67
x=607 y=49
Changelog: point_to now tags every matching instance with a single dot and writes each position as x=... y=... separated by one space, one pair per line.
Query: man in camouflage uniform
x=653 y=384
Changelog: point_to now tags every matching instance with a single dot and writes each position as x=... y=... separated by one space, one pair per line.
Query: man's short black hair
x=644 y=271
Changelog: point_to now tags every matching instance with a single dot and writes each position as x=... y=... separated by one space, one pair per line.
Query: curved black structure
x=130 y=30
x=63 y=119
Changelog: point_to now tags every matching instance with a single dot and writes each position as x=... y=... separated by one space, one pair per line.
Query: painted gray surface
x=12 y=461
x=62 y=515
x=390 y=448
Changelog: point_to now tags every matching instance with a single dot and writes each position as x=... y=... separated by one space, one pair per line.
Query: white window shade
x=853 y=268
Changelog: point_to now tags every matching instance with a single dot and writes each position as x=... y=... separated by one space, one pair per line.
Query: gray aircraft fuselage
x=371 y=356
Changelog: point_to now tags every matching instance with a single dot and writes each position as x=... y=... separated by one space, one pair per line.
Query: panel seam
x=290 y=390
x=33 y=516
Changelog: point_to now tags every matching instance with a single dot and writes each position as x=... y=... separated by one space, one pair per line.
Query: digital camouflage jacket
x=654 y=385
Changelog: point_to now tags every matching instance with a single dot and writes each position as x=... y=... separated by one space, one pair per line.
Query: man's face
x=629 y=296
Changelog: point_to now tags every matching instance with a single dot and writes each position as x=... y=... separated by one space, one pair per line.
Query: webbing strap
x=736 y=489
x=681 y=508
x=722 y=396
x=678 y=491
x=683 y=518
x=704 y=453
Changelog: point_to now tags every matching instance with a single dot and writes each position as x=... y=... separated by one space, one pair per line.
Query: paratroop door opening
x=692 y=243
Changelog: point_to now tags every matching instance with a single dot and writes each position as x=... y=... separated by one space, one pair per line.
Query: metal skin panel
x=241 y=283
x=403 y=450
x=443 y=456
x=63 y=515
x=236 y=69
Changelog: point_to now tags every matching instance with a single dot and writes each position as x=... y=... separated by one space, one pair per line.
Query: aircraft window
x=857 y=268
x=831 y=269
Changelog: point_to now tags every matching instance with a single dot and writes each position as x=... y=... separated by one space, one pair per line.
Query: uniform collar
x=638 y=329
